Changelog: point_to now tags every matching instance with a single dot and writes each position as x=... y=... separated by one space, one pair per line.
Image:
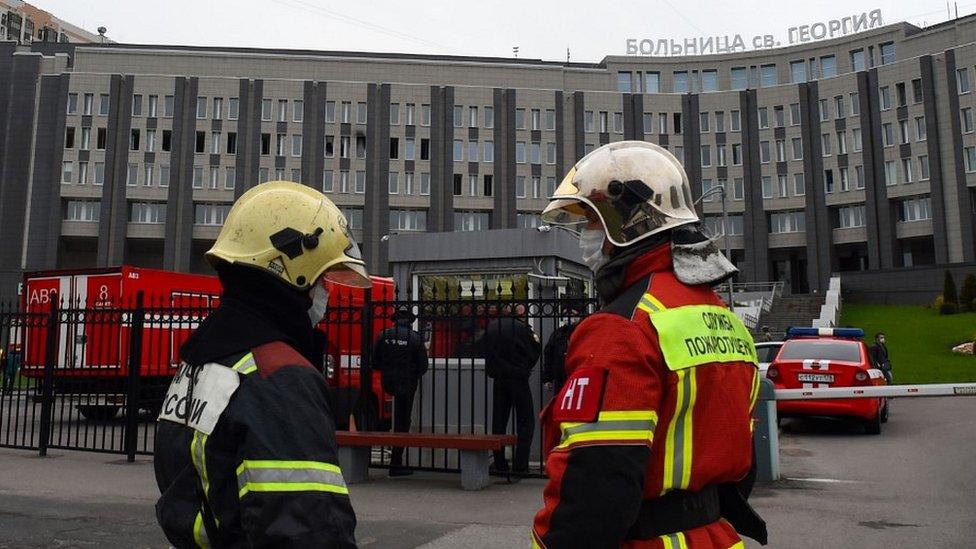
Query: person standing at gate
x=879 y=356
x=11 y=364
x=511 y=350
x=400 y=356
x=245 y=445
x=554 y=353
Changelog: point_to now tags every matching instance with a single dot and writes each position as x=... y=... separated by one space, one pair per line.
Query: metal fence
x=91 y=376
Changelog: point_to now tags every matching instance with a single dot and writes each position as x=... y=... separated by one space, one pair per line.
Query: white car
x=767 y=351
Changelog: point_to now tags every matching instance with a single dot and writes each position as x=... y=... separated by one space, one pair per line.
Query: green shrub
x=948 y=308
x=938 y=303
x=968 y=293
x=949 y=289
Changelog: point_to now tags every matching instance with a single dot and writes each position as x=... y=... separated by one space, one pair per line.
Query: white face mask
x=591 y=242
x=320 y=301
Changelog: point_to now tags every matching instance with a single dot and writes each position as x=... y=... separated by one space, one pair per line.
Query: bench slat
x=424 y=440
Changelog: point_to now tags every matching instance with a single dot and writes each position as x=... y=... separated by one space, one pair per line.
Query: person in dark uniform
x=245 y=443
x=400 y=356
x=511 y=350
x=554 y=353
x=879 y=356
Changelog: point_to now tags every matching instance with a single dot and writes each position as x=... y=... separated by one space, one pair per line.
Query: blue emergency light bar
x=847 y=333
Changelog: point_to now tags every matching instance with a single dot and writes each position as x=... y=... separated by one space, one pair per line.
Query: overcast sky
x=541 y=28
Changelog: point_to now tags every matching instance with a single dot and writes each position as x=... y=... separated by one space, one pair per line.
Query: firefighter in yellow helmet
x=245 y=447
x=651 y=433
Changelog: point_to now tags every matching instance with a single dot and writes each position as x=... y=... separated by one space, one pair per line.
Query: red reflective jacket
x=662 y=382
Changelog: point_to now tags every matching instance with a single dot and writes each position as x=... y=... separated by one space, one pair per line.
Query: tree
x=968 y=292
x=950 y=301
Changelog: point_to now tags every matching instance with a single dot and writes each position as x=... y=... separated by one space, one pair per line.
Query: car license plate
x=815 y=378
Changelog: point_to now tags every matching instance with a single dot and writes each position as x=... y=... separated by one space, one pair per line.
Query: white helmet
x=638 y=189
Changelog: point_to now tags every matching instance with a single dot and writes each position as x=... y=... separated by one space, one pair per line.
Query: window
x=652 y=82
x=764 y=151
x=624 y=82
x=923 y=167
x=458 y=184
x=394 y=148
x=779 y=116
x=799 y=184
x=163 y=175
x=424 y=148
x=768 y=76
x=784 y=185
x=394 y=114
x=798 y=71
x=618 y=122
x=471 y=221
x=169 y=104
x=330 y=111
x=767 y=186
x=856 y=136
x=201 y=107
x=887 y=134
x=215 y=177
x=858 y=177
x=604 y=126
x=967 y=120
x=210 y=214
x=102 y=136
x=72 y=103
x=824 y=106
x=424 y=183
x=588 y=121
x=103 y=104
x=230 y=177
x=394 y=183
x=662 y=122
x=519 y=152
x=703 y=122
x=282 y=110
x=736 y=154
x=296 y=144
x=677 y=122
x=344 y=181
x=536 y=119
x=66 y=171
x=100 y=174
x=887 y=53
x=411 y=108
x=137 y=105
x=200 y=144
x=408 y=183
x=857 y=60
x=472 y=151
x=88 y=104
x=828 y=66
x=489 y=114
x=424 y=115
x=907 y=170
x=915 y=209
x=781 y=150
x=720 y=154
x=459 y=150
x=86 y=139
x=739 y=77
x=885 y=93
x=360 y=113
x=735 y=121
x=840 y=108
x=408 y=220
x=489 y=152
x=845 y=184
x=329 y=146
x=550 y=153
x=409 y=148
x=719 y=122
x=536 y=187
x=900 y=94
x=487 y=183
x=472 y=117
x=520 y=119
x=266 y=107
x=706 y=156
x=917 y=90
x=360 y=187
x=354 y=217
x=681 y=84
x=709 y=81
x=787 y=222
x=520 y=186
x=550 y=119
x=298 y=111
x=231 y=142
x=132 y=174
x=797 y=143
x=233 y=108
x=82 y=210
x=903 y=131
x=69 y=138
x=851 y=216
x=828 y=181
x=841 y=142
x=763 y=117
x=969 y=158
x=150 y=140
x=198 y=177
x=327 y=185
x=679 y=153
x=550 y=186
x=855 y=104
x=738 y=190
x=134 y=140
x=891 y=172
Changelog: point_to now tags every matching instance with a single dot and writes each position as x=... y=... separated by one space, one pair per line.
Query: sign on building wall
x=708 y=45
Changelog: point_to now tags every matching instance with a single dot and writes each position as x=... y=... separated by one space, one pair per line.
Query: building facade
x=25 y=24
x=850 y=154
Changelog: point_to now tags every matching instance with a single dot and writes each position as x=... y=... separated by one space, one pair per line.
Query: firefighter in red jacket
x=650 y=439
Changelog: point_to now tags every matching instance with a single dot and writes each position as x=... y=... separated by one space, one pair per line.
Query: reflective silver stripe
x=288 y=476
x=198 y=447
x=649 y=304
x=679 y=432
x=610 y=425
x=246 y=364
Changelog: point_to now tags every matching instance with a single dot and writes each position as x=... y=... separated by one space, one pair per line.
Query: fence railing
x=92 y=376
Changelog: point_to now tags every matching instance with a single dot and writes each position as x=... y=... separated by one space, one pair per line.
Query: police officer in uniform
x=245 y=446
x=400 y=356
x=650 y=438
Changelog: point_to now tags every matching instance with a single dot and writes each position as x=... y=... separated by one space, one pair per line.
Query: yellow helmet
x=638 y=189
x=293 y=232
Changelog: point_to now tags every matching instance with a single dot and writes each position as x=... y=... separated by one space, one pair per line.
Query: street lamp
x=725 y=228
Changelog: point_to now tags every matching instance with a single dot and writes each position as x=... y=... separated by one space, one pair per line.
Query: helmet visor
x=348 y=273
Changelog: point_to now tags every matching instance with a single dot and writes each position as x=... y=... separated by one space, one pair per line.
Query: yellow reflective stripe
x=612 y=426
x=535 y=541
x=286 y=464
x=245 y=365
x=644 y=307
x=682 y=543
x=678 y=449
x=199 y=532
x=654 y=301
x=668 y=477
x=755 y=390
x=198 y=453
x=667 y=542
x=688 y=430
x=740 y=545
x=607 y=436
x=291 y=487
x=622 y=415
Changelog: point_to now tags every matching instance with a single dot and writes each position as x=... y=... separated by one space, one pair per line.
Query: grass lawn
x=920 y=340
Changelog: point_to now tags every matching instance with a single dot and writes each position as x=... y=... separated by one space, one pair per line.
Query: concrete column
x=115 y=208
x=755 y=228
x=177 y=249
x=820 y=248
x=313 y=134
x=958 y=189
x=579 y=123
x=885 y=219
x=376 y=217
x=691 y=141
x=933 y=150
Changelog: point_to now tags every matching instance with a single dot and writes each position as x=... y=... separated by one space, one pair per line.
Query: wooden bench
x=355 y=448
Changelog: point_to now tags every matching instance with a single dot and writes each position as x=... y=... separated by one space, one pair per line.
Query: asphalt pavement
x=912 y=486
